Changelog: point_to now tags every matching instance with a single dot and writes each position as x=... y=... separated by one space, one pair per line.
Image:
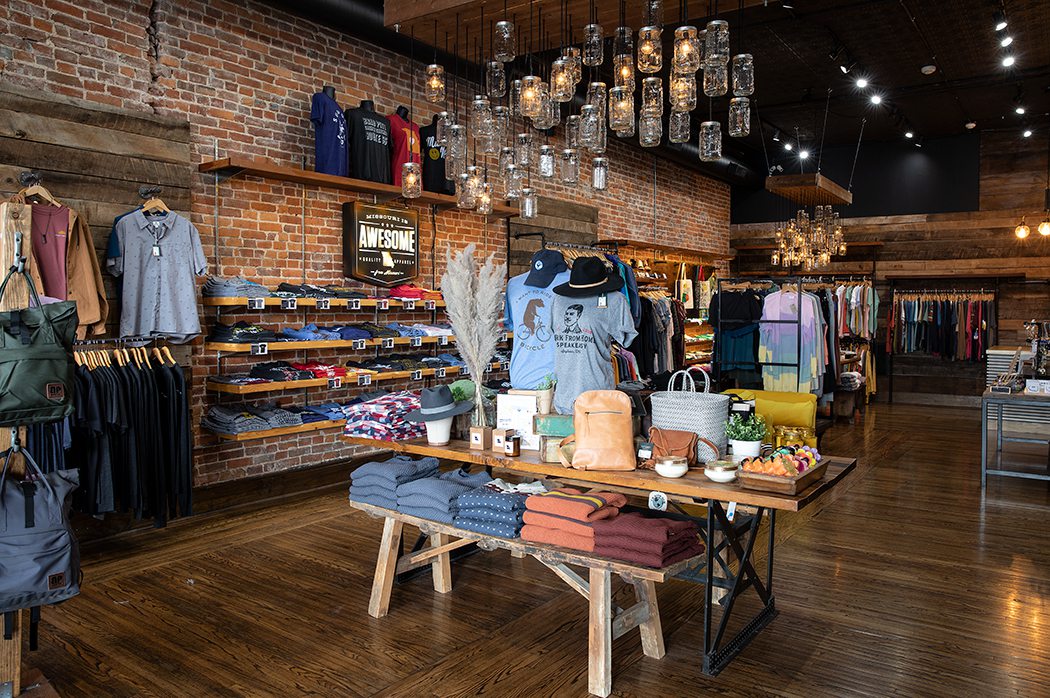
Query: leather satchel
x=604 y=438
x=672 y=442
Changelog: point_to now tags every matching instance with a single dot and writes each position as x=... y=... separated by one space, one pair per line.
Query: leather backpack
x=604 y=438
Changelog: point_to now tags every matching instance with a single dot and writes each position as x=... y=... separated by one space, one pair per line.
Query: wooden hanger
x=155 y=204
x=38 y=191
x=78 y=359
x=171 y=359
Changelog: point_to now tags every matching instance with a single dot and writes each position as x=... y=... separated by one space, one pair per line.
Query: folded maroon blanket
x=651 y=559
x=642 y=547
x=560 y=523
x=636 y=527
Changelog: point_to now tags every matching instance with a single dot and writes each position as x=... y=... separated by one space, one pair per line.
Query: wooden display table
x=998 y=401
x=726 y=564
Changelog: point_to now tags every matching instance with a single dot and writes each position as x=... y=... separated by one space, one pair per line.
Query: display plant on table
x=745 y=434
x=784 y=462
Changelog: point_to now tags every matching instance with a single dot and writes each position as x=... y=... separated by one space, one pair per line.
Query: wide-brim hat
x=546 y=264
x=589 y=277
x=438 y=403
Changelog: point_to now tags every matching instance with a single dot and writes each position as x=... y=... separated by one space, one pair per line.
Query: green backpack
x=36 y=359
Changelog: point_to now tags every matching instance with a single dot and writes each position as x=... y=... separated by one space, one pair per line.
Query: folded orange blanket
x=576 y=528
x=553 y=536
x=574 y=504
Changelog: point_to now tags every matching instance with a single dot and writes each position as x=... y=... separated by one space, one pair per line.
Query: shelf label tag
x=354 y=304
x=439 y=372
x=504 y=365
x=417 y=375
x=503 y=337
x=415 y=341
x=488 y=368
x=409 y=304
x=256 y=303
x=358 y=344
x=388 y=342
x=259 y=349
x=289 y=303
x=364 y=379
x=382 y=304
x=335 y=382
x=430 y=305
x=658 y=501
x=443 y=341
x=324 y=303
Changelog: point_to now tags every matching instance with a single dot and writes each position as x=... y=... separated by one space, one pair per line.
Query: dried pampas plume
x=474 y=304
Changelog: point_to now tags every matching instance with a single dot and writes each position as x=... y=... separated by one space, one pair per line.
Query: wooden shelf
x=638 y=244
x=348 y=382
x=241 y=301
x=810 y=189
x=772 y=246
x=246 y=347
x=282 y=431
x=257 y=167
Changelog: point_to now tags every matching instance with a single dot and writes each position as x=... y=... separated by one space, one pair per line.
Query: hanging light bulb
x=652 y=96
x=650 y=130
x=599 y=174
x=528 y=204
x=682 y=94
x=1022 y=230
x=496 y=77
x=546 y=166
x=569 y=167
x=650 y=50
x=710 y=141
x=562 y=86
x=678 y=127
x=687 y=55
x=621 y=108
x=593 y=45
x=512 y=182
x=411 y=180
x=434 y=90
x=743 y=75
x=716 y=49
x=716 y=80
x=483 y=201
x=464 y=192
x=739 y=117
x=504 y=41
x=623 y=58
x=531 y=96
x=474 y=180
x=1044 y=227
x=774 y=259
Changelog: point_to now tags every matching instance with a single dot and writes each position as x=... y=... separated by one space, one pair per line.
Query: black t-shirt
x=433 y=156
x=369 y=145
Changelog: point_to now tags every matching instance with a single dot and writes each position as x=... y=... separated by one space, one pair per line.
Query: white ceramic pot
x=439 y=431
x=745 y=449
x=544 y=399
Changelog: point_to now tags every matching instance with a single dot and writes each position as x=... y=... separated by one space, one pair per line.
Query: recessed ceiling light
x=1019 y=109
x=776 y=135
x=1000 y=20
x=1006 y=41
x=928 y=69
x=1008 y=61
x=876 y=99
x=803 y=154
x=909 y=134
x=1027 y=133
x=788 y=147
x=862 y=83
x=970 y=125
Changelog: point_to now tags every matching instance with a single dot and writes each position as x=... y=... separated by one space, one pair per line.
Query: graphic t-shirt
x=369 y=145
x=404 y=145
x=434 y=163
x=330 y=154
x=50 y=228
x=583 y=337
x=529 y=315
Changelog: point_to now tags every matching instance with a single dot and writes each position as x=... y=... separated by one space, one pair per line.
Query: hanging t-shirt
x=529 y=315
x=369 y=145
x=434 y=162
x=583 y=334
x=50 y=229
x=330 y=153
x=404 y=145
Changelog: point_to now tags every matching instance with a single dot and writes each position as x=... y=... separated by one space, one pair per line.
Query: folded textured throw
x=399 y=469
x=376 y=500
x=574 y=504
x=492 y=500
x=636 y=527
x=576 y=528
x=491 y=515
x=423 y=500
x=554 y=536
x=429 y=513
x=439 y=491
x=463 y=477
x=490 y=528
x=655 y=558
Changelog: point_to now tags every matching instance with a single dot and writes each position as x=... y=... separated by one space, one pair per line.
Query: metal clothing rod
x=115 y=340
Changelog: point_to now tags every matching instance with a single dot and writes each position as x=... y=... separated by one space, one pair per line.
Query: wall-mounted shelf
x=257 y=167
x=639 y=244
x=348 y=381
x=274 y=302
x=246 y=347
x=282 y=431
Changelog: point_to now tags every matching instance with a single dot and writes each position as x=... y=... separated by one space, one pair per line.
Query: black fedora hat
x=438 y=403
x=589 y=277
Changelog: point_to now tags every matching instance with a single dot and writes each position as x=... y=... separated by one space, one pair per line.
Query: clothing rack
x=117 y=340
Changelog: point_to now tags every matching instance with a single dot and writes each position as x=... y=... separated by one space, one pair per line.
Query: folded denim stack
x=241 y=333
x=376 y=483
x=232 y=420
x=434 y=498
x=237 y=287
x=566 y=516
x=650 y=541
x=310 y=332
x=491 y=513
x=433 y=330
x=384 y=418
x=405 y=330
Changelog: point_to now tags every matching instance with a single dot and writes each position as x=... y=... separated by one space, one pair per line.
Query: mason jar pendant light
x=457 y=149
x=652 y=96
x=496 y=78
x=511 y=182
x=514 y=101
x=481 y=116
x=590 y=122
x=435 y=83
x=500 y=120
x=483 y=200
x=716 y=80
x=593 y=44
x=506 y=159
x=601 y=137
x=623 y=58
x=597 y=94
x=716 y=51
x=575 y=58
x=562 y=86
x=474 y=180
x=523 y=152
x=572 y=131
x=504 y=41
x=654 y=10
x=650 y=130
x=678 y=127
x=686 y=58
x=444 y=121
x=411 y=180
x=743 y=75
x=599 y=173
x=464 y=192
x=629 y=130
x=528 y=204
x=570 y=166
x=621 y=108
x=710 y=141
x=546 y=166
x=650 y=50
x=682 y=94
x=739 y=117
x=531 y=96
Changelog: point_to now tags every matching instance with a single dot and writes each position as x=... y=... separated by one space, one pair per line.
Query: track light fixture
x=788 y=147
x=1006 y=41
x=776 y=135
x=1008 y=61
x=1000 y=20
x=803 y=154
x=876 y=99
x=1027 y=133
x=909 y=134
x=847 y=66
x=862 y=83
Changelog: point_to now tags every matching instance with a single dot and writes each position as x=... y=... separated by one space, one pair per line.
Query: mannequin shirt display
x=433 y=156
x=404 y=142
x=530 y=316
x=369 y=143
x=330 y=153
x=584 y=331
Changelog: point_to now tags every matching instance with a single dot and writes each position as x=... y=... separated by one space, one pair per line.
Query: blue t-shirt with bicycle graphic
x=528 y=311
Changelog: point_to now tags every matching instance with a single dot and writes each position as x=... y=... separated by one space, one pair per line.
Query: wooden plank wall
x=559 y=221
x=960 y=250
x=93 y=159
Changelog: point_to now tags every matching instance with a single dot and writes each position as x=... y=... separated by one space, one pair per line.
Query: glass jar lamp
x=716 y=80
x=650 y=130
x=444 y=121
x=739 y=117
x=687 y=53
x=411 y=180
x=512 y=182
x=546 y=161
x=650 y=50
x=599 y=174
x=531 y=96
x=569 y=167
x=590 y=123
x=682 y=94
x=678 y=127
x=464 y=192
x=621 y=108
x=593 y=45
x=496 y=79
x=528 y=207
x=629 y=129
x=483 y=200
x=481 y=116
x=562 y=86
x=743 y=75
x=652 y=96
x=504 y=41
x=572 y=131
x=506 y=159
x=500 y=121
x=524 y=150
x=597 y=94
x=710 y=141
x=434 y=86
x=716 y=49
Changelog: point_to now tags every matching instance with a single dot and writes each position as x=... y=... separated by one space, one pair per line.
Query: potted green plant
x=545 y=394
x=745 y=435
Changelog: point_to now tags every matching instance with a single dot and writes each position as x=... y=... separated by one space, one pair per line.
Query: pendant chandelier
x=809 y=242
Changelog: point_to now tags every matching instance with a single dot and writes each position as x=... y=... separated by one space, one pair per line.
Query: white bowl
x=672 y=469
x=720 y=475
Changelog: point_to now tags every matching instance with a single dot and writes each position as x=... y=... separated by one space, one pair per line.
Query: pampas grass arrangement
x=474 y=304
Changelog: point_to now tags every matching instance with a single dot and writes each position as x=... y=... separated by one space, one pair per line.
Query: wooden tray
x=783 y=485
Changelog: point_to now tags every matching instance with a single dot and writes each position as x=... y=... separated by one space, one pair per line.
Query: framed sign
x=380 y=243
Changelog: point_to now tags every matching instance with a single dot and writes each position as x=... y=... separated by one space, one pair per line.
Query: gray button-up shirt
x=159 y=258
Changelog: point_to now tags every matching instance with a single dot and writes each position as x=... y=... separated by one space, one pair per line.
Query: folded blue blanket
x=492 y=500
x=491 y=528
x=399 y=469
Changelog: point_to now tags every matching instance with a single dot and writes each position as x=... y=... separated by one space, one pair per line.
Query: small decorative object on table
x=721 y=470
x=671 y=466
x=499 y=438
x=787 y=470
x=745 y=434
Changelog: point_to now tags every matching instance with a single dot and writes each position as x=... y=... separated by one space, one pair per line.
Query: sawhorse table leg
x=386 y=566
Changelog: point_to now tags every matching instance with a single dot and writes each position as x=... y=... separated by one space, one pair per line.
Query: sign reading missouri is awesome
x=380 y=243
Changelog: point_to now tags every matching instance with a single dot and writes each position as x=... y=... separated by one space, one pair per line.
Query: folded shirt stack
x=310 y=332
x=278 y=371
x=433 y=330
x=241 y=332
x=238 y=379
x=384 y=418
x=237 y=287
x=649 y=541
x=850 y=380
x=319 y=370
x=405 y=330
x=452 y=359
x=350 y=332
x=434 y=498
x=319 y=413
x=491 y=513
x=238 y=419
x=376 y=483
x=413 y=292
x=565 y=517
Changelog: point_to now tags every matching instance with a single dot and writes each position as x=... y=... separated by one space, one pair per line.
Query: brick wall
x=242 y=73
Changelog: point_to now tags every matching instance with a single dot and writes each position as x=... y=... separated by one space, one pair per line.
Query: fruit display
x=787 y=461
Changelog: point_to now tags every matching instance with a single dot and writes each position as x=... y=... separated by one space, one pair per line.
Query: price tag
x=256 y=303
x=442 y=341
x=364 y=379
x=324 y=303
x=488 y=368
x=382 y=304
x=504 y=365
x=289 y=303
x=503 y=336
x=645 y=450
x=335 y=382
x=388 y=342
x=731 y=511
x=354 y=304
x=358 y=344
x=417 y=375
x=658 y=501
x=259 y=349
x=430 y=305
x=439 y=372
x=415 y=342
x=409 y=304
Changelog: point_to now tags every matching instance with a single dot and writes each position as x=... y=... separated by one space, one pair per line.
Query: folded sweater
x=422 y=500
x=399 y=469
x=492 y=500
x=654 y=558
x=636 y=527
x=492 y=515
x=463 y=477
x=576 y=528
x=429 y=513
x=434 y=488
x=574 y=504
x=554 y=536
x=492 y=528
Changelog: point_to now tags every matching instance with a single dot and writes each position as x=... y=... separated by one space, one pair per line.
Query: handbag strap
x=20 y=270
x=685 y=377
x=561 y=449
x=31 y=466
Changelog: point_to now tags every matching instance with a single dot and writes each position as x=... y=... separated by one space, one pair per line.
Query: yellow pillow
x=782 y=409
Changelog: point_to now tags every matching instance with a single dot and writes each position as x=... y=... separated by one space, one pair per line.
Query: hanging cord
x=412 y=93
x=762 y=134
x=823 y=131
x=856 y=155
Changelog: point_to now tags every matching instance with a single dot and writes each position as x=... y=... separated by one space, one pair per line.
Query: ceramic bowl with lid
x=721 y=470
x=671 y=466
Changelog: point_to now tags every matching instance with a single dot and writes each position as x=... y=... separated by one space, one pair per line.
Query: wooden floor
x=911 y=584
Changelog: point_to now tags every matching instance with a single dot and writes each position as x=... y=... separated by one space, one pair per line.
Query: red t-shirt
x=404 y=141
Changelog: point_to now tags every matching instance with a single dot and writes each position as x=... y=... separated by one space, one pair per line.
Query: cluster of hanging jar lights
x=809 y=243
x=622 y=107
